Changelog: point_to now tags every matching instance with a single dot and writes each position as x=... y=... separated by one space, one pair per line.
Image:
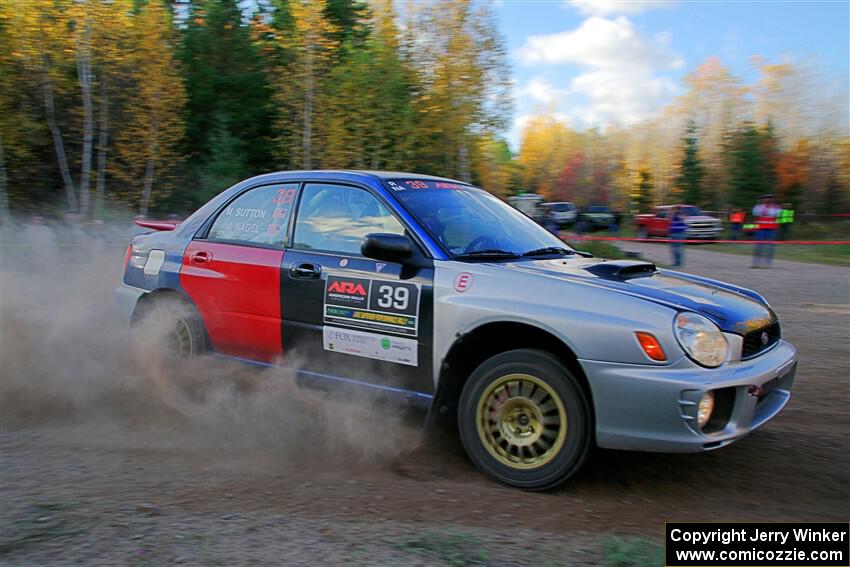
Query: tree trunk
x=4 y=194
x=147 y=189
x=84 y=75
x=58 y=145
x=102 y=146
x=307 y=142
x=463 y=161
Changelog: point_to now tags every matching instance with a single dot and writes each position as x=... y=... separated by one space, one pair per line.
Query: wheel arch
x=470 y=349
x=147 y=300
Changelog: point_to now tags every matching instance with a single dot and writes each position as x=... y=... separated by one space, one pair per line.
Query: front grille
x=760 y=340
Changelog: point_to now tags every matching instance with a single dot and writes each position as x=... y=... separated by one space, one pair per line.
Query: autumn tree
x=149 y=139
x=642 y=190
x=313 y=45
x=496 y=170
x=363 y=126
x=546 y=145
x=463 y=81
x=39 y=31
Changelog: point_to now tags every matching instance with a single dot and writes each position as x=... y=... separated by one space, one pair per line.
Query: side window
x=335 y=218
x=259 y=216
x=662 y=213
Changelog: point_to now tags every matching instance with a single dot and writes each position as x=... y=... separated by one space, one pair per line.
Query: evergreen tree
x=225 y=82
x=749 y=169
x=691 y=171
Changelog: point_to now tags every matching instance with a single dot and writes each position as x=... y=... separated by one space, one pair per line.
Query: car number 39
x=393 y=297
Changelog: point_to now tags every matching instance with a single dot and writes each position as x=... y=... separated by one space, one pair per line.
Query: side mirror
x=387 y=247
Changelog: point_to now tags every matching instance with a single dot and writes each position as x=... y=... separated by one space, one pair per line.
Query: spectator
x=581 y=224
x=765 y=213
x=786 y=219
x=736 y=221
x=614 y=227
x=678 y=232
x=549 y=221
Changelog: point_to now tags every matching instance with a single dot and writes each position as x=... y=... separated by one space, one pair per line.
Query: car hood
x=733 y=309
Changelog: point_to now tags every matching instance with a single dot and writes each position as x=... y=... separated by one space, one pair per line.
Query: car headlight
x=701 y=339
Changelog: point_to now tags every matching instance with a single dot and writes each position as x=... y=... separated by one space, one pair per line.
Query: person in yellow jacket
x=785 y=220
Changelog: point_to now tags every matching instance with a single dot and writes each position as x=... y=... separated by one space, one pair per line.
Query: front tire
x=524 y=419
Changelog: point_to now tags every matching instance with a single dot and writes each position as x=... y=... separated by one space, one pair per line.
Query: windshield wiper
x=548 y=250
x=488 y=253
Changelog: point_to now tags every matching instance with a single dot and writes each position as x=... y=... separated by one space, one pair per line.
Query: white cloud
x=621 y=81
x=540 y=90
x=603 y=43
x=609 y=7
x=624 y=96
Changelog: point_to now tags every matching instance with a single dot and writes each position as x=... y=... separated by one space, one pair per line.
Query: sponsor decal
x=387 y=306
x=379 y=266
x=463 y=282
x=371 y=345
x=348 y=292
x=343 y=263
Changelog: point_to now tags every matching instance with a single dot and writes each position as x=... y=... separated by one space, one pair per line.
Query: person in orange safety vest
x=736 y=221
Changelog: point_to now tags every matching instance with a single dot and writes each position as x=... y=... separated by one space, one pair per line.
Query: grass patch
x=457 y=549
x=835 y=255
x=44 y=522
x=632 y=552
x=600 y=249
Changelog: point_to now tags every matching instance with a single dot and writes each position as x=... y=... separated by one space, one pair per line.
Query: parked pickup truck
x=699 y=224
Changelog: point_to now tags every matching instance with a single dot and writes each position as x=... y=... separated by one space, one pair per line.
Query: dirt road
x=285 y=478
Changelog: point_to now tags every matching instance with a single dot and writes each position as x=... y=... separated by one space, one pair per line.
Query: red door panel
x=237 y=290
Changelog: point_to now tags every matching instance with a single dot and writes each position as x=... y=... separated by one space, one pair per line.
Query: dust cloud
x=66 y=361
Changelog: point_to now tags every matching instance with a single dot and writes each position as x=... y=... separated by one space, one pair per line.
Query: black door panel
x=359 y=319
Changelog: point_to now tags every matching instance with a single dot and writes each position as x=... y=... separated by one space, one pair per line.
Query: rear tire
x=182 y=329
x=524 y=419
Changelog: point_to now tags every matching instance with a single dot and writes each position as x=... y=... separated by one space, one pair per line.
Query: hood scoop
x=622 y=270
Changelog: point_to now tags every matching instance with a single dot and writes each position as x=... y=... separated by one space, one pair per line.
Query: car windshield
x=597 y=209
x=471 y=223
x=692 y=211
x=561 y=207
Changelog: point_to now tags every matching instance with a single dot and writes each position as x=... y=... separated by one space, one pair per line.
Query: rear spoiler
x=158 y=225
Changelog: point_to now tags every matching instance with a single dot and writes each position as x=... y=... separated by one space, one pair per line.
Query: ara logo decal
x=349 y=288
x=463 y=282
x=379 y=267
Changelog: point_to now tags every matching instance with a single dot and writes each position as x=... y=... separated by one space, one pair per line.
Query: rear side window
x=258 y=216
x=335 y=218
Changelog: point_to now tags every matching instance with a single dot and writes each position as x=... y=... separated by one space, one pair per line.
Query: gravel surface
x=117 y=468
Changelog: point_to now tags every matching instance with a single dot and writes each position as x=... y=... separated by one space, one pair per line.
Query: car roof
x=365 y=173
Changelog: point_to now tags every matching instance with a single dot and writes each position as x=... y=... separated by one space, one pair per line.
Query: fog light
x=706 y=406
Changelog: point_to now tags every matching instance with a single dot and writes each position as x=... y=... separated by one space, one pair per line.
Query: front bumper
x=712 y=232
x=651 y=408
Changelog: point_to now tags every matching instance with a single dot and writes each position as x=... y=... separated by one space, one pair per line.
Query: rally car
x=439 y=293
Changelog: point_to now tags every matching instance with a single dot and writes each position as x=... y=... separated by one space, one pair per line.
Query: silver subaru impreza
x=438 y=292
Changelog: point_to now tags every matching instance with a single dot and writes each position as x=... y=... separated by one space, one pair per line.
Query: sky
x=597 y=62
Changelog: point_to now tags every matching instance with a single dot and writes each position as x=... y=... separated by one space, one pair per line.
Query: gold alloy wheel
x=181 y=339
x=521 y=421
